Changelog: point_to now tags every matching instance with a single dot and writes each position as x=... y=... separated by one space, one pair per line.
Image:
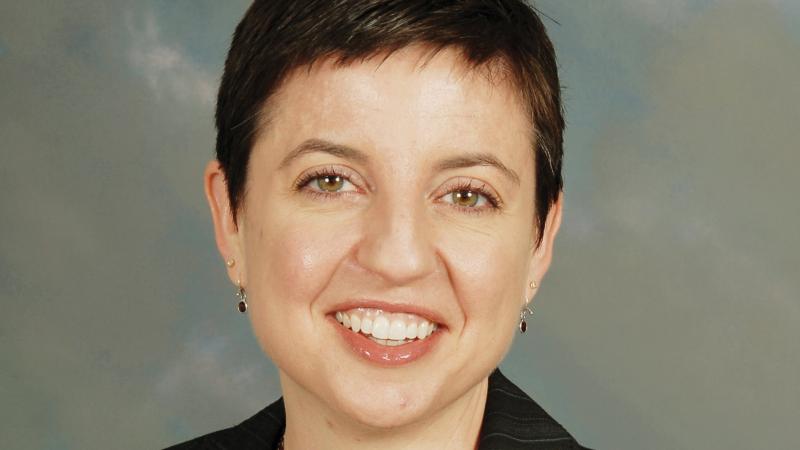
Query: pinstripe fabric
x=511 y=421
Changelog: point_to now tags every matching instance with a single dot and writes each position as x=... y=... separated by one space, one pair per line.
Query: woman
x=386 y=194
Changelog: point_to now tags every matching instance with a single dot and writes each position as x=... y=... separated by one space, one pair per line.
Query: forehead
x=411 y=102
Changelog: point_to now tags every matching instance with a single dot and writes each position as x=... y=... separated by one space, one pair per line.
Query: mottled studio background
x=671 y=317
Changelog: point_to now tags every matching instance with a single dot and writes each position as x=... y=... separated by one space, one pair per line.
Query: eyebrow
x=322 y=146
x=352 y=154
x=478 y=159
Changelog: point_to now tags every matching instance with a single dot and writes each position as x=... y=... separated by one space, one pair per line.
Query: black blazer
x=511 y=421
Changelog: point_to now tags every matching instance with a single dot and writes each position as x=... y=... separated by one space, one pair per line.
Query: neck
x=310 y=423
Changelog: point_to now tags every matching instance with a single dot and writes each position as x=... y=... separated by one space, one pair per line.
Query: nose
x=397 y=242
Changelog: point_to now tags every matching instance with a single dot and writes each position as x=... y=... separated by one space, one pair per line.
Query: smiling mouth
x=384 y=328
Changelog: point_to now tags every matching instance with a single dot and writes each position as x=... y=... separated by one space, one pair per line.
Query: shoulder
x=513 y=421
x=257 y=432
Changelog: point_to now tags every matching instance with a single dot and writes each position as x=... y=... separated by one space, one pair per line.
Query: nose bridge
x=397 y=242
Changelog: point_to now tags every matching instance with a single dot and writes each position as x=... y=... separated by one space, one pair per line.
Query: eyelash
x=319 y=173
x=464 y=185
x=468 y=185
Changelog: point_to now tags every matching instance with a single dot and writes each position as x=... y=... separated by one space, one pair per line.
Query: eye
x=330 y=183
x=471 y=198
x=325 y=181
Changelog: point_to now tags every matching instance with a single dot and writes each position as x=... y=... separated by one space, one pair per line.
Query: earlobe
x=226 y=232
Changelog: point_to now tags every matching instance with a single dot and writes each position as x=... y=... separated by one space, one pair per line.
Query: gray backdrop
x=670 y=319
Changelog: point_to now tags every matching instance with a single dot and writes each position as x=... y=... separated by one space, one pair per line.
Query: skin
x=393 y=232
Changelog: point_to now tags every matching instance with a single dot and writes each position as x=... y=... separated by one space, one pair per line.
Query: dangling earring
x=523 y=324
x=242 y=306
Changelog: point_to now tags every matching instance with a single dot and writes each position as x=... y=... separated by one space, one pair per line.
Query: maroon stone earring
x=242 y=306
x=523 y=324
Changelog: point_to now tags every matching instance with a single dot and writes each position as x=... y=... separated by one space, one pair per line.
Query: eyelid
x=313 y=173
x=471 y=184
x=457 y=184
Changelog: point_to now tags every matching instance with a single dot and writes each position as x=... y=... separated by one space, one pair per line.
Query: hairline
x=497 y=64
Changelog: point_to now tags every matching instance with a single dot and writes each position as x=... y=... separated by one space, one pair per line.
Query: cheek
x=290 y=260
x=297 y=256
x=488 y=273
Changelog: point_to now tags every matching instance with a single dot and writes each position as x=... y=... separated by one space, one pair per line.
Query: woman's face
x=398 y=194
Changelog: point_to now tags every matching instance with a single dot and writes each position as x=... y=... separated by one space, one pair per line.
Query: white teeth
x=422 y=330
x=386 y=328
x=366 y=325
x=380 y=327
x=397 y=330
x=388 y=342
x=411 y=330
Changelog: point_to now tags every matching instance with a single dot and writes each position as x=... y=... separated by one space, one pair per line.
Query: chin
x=380 y=405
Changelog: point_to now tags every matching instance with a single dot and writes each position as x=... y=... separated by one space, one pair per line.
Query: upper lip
x=393 y=307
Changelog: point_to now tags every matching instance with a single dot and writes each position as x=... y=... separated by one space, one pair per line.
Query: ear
x=226 y=232
x=542 y=255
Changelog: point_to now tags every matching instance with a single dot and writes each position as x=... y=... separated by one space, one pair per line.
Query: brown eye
x=326 y=182
x=330 y=183
x=470 y=196
x=465 y=198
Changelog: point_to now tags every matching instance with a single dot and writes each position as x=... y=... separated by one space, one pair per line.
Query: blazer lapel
x=513 y=421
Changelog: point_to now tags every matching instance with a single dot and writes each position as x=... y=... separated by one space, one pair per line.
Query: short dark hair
x=277 y=36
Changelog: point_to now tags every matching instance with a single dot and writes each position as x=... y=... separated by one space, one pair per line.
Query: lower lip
x=383 y=354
